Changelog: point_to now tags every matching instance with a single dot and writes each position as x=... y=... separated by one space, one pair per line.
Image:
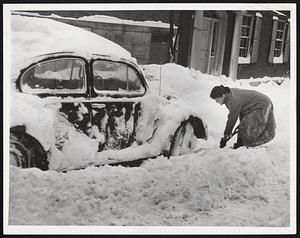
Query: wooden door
x=213 y=47
x=205 y=45
x=200 y=47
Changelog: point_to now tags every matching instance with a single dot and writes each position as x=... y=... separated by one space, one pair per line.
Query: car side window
x=115 y=76
x=63 y=75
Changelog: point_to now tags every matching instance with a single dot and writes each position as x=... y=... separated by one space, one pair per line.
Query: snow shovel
x=224 y=141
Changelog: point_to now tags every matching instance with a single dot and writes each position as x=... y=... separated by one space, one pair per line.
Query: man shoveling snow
x=255 y=112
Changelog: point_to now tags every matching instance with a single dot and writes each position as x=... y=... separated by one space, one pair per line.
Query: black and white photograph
x=149 y=118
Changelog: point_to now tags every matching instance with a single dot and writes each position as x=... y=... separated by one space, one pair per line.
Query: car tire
x=26 y=152
x=184 y=140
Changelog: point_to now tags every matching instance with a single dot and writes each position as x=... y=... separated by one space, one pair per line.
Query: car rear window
x=64 y=75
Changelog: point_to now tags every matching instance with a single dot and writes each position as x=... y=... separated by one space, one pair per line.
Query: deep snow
x=211 y=187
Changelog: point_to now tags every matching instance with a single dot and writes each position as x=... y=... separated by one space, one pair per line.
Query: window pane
x=245 y=36
x=246 y=20
x=214 y=42
x=243 y=53
x=134 y=82
x=244 y=42
x=279 y=35
x=280 y=25
x=245 y=31
x=60 y=74
x=276 y=53
x=278 y=45
x=113 y=76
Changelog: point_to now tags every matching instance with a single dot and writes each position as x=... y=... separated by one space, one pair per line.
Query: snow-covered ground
x=211 y=187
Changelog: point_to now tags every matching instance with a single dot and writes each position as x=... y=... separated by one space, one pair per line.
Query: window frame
x=124 y=92
x=284 y=52
x=215 y=37
x=279 y=59
x=27 y=89
x=247 y=59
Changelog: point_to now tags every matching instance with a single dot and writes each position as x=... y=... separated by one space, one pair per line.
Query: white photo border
x=189 y=230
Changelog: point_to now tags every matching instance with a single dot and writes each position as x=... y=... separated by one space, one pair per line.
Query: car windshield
x=115 y=76
x=64 y=75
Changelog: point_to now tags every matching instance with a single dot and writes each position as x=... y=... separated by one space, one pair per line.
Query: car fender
x=200 y=128
x=189 y=114
x=22 y=129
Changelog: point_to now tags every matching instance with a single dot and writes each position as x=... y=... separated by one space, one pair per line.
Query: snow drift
x=212 y=187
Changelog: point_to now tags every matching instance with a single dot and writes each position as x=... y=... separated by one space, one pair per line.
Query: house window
x=245 y=39
x=279 y=38
x=279 y=41
x=214 y=39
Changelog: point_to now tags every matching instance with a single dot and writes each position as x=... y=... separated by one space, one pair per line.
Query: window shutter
x=286 y=53
x=273 y=38
x=256 y=38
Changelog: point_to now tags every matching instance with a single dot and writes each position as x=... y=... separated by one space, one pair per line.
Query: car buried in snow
x=73 y=109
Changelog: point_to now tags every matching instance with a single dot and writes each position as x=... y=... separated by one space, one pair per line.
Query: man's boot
x=238 y=143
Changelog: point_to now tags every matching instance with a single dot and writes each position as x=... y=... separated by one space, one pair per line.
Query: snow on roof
x=279 y=13
x=105 y=19
x=33 y=36
x=258 y=14
x=115 y=20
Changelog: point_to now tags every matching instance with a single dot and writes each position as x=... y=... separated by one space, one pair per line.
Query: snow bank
x=194 y=88
x=212 y=187
x=36 y=114
x=215 y=189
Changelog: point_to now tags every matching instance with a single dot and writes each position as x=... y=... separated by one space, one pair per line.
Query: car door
x=64 y=77
x=116 y=93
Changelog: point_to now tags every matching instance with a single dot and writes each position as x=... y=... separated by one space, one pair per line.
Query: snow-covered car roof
x=34 y=36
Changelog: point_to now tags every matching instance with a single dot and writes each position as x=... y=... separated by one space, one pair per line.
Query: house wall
x=140 y=41
x=228 y=42
x=262 y=68
x=185 y=38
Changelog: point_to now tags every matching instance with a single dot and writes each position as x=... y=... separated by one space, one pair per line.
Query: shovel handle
x=233 y=133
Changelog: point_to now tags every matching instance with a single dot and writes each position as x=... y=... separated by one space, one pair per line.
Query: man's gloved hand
x=223 y=142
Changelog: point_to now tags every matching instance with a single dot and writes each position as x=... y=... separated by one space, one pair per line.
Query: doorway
x=206 y=45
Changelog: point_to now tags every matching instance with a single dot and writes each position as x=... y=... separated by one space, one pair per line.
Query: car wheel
x=26 y=152
x=184 y=140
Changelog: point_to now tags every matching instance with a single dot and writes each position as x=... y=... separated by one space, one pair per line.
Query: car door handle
x=98 y=105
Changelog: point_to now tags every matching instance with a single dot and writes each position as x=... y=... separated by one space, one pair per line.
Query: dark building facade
x=263 y=40
x=241 y=44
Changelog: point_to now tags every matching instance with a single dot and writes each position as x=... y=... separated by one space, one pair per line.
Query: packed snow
x=210 y=187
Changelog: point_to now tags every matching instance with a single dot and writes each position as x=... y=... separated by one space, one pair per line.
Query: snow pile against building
x=211 y=187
